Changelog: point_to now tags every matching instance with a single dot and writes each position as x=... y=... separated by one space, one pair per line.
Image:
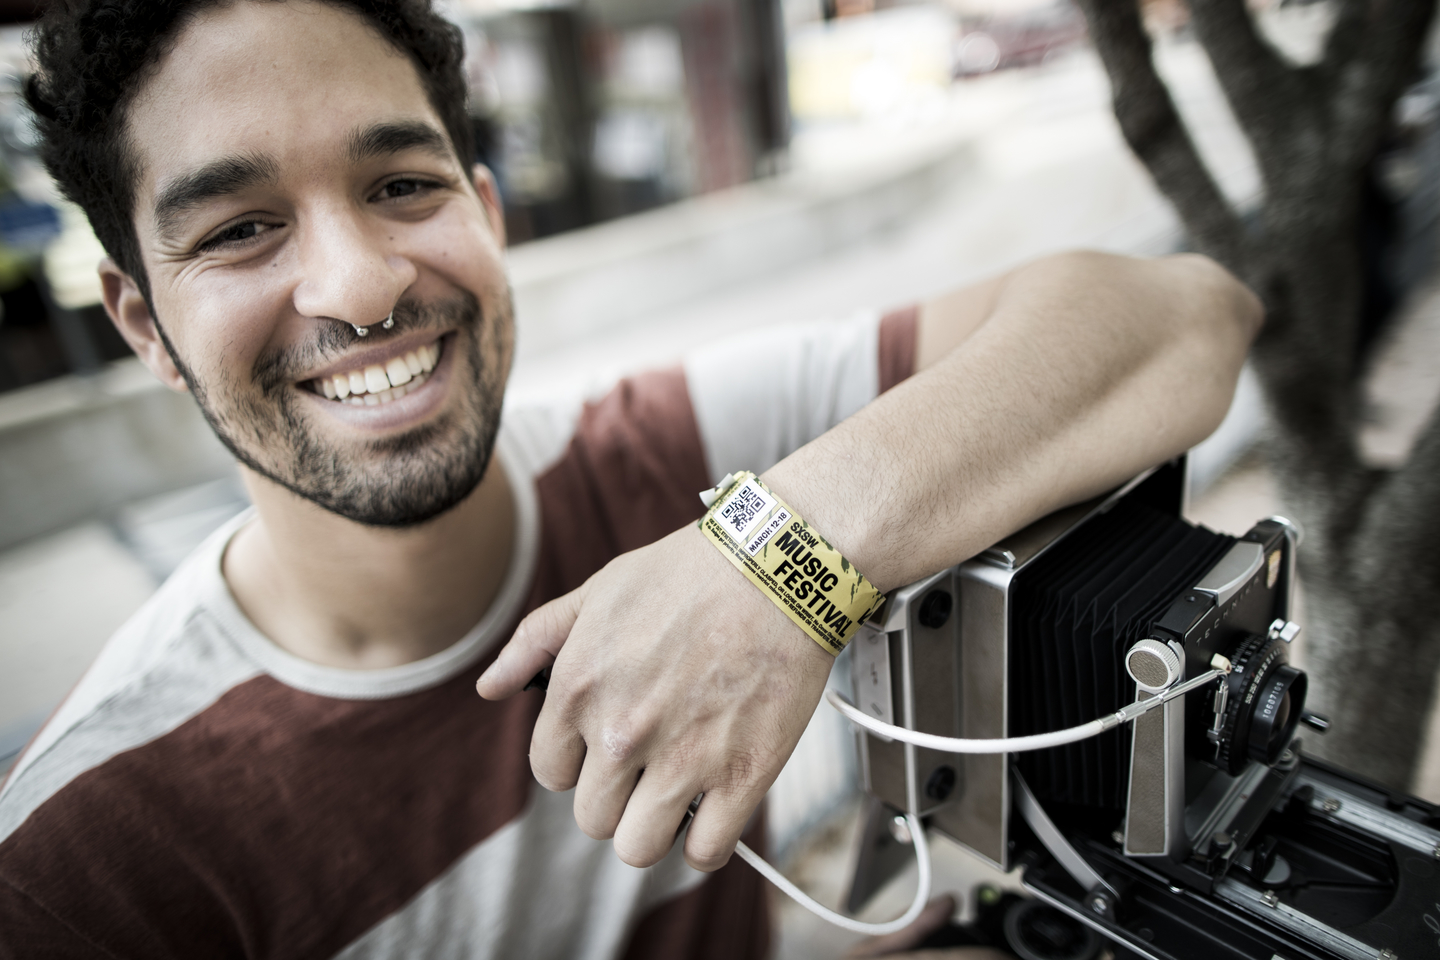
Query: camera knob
x=1153 y=665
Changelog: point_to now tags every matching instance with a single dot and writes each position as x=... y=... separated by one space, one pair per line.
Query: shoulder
x=762 y=394
x=167 y=663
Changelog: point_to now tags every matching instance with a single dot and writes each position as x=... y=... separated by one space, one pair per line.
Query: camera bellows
x=1075 y=613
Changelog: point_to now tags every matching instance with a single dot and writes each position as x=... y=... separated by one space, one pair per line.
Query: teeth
x=331 y=386
x=378 y=384
x=397 y=371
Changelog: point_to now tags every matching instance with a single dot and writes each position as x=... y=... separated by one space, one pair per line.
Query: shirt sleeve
x=763 y=394
x=29 y=931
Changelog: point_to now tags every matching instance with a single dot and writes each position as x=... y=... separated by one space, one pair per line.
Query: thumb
x=534 y=647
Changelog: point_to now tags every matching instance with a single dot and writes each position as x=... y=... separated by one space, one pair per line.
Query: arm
x=1047 y=386
x=1038 y=389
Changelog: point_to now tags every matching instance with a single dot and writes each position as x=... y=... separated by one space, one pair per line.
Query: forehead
x=290 y=81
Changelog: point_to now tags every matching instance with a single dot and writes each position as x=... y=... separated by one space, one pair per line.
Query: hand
x=672 y=676
x=902 y=943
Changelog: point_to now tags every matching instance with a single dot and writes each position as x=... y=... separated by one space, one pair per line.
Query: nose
x=349 y=271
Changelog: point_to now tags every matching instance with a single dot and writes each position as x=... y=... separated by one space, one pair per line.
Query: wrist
x=824 y=499
x=789 y=561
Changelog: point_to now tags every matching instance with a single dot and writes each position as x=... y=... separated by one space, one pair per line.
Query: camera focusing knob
x=1153 y=665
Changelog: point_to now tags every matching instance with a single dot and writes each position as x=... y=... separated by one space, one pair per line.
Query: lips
x=379 y=383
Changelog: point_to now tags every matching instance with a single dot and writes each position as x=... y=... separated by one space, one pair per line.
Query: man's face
x=295 y=183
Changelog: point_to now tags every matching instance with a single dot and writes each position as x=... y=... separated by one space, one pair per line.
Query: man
x=281 y=755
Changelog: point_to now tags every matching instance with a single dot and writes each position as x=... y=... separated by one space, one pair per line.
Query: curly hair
x=92 y=56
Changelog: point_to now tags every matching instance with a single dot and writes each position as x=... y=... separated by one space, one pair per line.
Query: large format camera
x=1200 y=830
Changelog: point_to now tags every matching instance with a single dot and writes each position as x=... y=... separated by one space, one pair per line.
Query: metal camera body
x=1203 y=816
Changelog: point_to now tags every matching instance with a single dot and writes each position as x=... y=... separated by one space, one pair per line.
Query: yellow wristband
x=790 y=563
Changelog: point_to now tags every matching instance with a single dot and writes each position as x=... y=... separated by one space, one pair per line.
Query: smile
x=380 y=383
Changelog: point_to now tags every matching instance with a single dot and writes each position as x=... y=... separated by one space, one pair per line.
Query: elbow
x=1215 y=329
x=1222 y=309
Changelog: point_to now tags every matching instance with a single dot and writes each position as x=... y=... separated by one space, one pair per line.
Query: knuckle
x=707 y=857
x=553 y=784
x=571 y=689
x=551 y=778
x=595 y=829
x=556 y=773
x=617 y=745
x=593 y=818
x=639 y=853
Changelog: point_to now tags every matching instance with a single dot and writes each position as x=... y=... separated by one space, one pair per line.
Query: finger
x=557 y=746
x=536 y=643
x=717 y=826
x=648 y=828
x=607 y=779
x=935 y=915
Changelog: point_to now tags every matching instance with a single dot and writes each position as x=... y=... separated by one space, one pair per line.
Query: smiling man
x=282 y=754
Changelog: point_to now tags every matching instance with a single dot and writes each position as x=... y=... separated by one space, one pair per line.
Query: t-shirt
x=204 y=793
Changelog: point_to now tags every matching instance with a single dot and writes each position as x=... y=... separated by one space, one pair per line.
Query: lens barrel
x=1263 y=705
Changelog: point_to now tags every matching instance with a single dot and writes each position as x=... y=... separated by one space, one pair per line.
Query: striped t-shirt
x=204 y=793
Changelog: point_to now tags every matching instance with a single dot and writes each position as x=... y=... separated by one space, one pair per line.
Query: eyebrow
x=384 y=139
x=218 y=178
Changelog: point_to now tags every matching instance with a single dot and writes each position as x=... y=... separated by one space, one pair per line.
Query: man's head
x=269 y=176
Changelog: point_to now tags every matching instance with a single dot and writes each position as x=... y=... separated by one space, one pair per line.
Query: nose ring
x=364 y=331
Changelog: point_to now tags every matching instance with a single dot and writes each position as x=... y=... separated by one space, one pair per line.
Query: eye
x=406 y=187
x=236 y=234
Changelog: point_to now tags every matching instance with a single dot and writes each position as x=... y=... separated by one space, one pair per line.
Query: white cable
x=922 y=888
x=1035 y=741
x=1038 y=741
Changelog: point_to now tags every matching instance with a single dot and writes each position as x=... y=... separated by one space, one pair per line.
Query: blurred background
x=673 y=171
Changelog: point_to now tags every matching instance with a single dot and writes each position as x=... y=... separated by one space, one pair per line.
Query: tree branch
x=1401 y=527
x=1153 y=128
x=1345 y=36
x=1265 y=92
x=1364 y=87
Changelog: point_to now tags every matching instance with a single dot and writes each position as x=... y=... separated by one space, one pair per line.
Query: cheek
x=221 y=320
x=460 y=248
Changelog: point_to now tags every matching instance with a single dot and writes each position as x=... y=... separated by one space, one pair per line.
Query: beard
x=396 y=481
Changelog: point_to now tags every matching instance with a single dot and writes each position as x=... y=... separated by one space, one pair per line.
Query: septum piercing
x=363 y=331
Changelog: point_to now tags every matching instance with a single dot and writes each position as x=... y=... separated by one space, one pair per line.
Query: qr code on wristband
x=743 y=508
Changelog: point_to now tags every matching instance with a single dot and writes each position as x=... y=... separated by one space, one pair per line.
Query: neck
x=342 y=594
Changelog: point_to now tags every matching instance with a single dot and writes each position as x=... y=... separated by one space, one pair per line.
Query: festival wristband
x=790 y=563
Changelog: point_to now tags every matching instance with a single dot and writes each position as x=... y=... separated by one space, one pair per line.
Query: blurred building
x=591 y=111
x=586 y=111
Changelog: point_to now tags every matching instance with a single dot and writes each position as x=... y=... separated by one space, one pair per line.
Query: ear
x=489 y=194
x=130 y=313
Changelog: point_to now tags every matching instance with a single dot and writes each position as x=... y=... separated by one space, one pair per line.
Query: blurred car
x=1022 y=39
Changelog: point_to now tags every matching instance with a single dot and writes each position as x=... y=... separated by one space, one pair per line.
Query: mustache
x=275 y=370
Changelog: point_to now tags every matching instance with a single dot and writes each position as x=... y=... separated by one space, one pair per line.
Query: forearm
x=1085 y=370
x=1056 y=382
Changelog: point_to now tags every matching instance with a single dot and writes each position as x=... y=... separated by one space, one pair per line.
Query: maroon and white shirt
x=204 y=793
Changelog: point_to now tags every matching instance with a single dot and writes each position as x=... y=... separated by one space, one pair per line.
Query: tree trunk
x=1369 y=563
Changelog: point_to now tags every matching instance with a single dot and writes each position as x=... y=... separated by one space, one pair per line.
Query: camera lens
x=1263 y=703
x=1273 y=717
